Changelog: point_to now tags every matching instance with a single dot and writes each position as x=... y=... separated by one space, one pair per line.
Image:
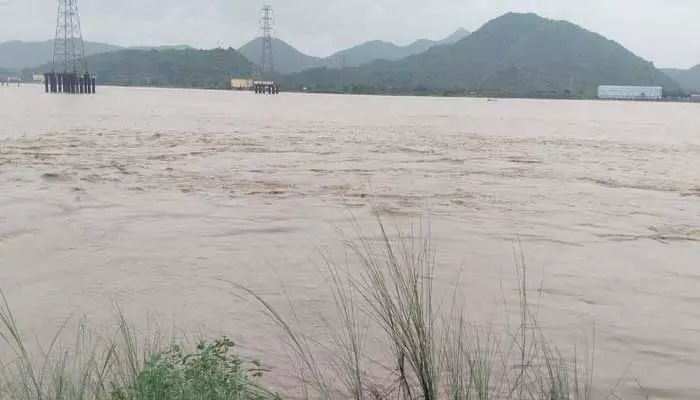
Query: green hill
x=689 y=79
x=673 y=73
x=187 y=68
x=17 y=54
x=368 y=52
x=513 y=55
x=286 y=58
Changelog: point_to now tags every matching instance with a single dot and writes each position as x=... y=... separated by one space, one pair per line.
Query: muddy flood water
x=147 y=197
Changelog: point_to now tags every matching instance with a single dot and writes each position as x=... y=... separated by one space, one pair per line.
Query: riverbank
x=430 y=349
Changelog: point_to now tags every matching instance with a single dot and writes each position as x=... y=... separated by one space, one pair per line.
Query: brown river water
x=146 y=197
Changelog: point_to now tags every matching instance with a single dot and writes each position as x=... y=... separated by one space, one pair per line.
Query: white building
x=630 y=92
x=241 y=84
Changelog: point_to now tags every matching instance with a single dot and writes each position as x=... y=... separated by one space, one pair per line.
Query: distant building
x=630 y=92
x=695 y=97
x=38 y=78
x=241 y=84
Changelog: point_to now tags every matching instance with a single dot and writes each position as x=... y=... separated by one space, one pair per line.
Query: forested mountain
x=689 y=79
x=674 y=73
x=513 y=55
x=368 y=52
x=17 y=54
x=208 y=69
x=286 y=58
x=164 y=47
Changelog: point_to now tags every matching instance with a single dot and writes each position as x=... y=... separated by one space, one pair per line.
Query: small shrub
x=210 y=372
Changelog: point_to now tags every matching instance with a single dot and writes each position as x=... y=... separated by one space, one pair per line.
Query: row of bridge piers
x=266 y=87
x=69 y=82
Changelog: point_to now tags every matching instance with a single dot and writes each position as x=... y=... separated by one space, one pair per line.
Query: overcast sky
x=666 y=32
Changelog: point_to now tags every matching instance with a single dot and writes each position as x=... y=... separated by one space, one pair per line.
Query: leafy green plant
x=211 y=371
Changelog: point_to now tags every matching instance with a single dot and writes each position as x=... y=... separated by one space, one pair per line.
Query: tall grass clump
x=395 y=334
x=423 y=345
x=127 y=366
x=53 y=372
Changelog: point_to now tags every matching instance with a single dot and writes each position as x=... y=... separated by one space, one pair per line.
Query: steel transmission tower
x=267 y=62
x=69 y=49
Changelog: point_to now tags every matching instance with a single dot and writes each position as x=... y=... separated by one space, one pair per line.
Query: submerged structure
x=265 y=87
x=69 y=73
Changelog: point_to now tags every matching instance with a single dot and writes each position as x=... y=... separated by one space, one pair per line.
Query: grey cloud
x=663 y=31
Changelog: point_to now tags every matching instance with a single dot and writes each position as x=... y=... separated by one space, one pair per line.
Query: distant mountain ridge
x=161 y=47
x=380 y=50
x=513 y=55
x=454 y=37
x=288 y=60
x=689 y=79
x=18 y=54
x=423 y=45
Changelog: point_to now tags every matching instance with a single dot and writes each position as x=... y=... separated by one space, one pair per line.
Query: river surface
x=146 y=197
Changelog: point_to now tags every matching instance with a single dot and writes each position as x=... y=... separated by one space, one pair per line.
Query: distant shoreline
x=499 y=97
x=402 y=94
